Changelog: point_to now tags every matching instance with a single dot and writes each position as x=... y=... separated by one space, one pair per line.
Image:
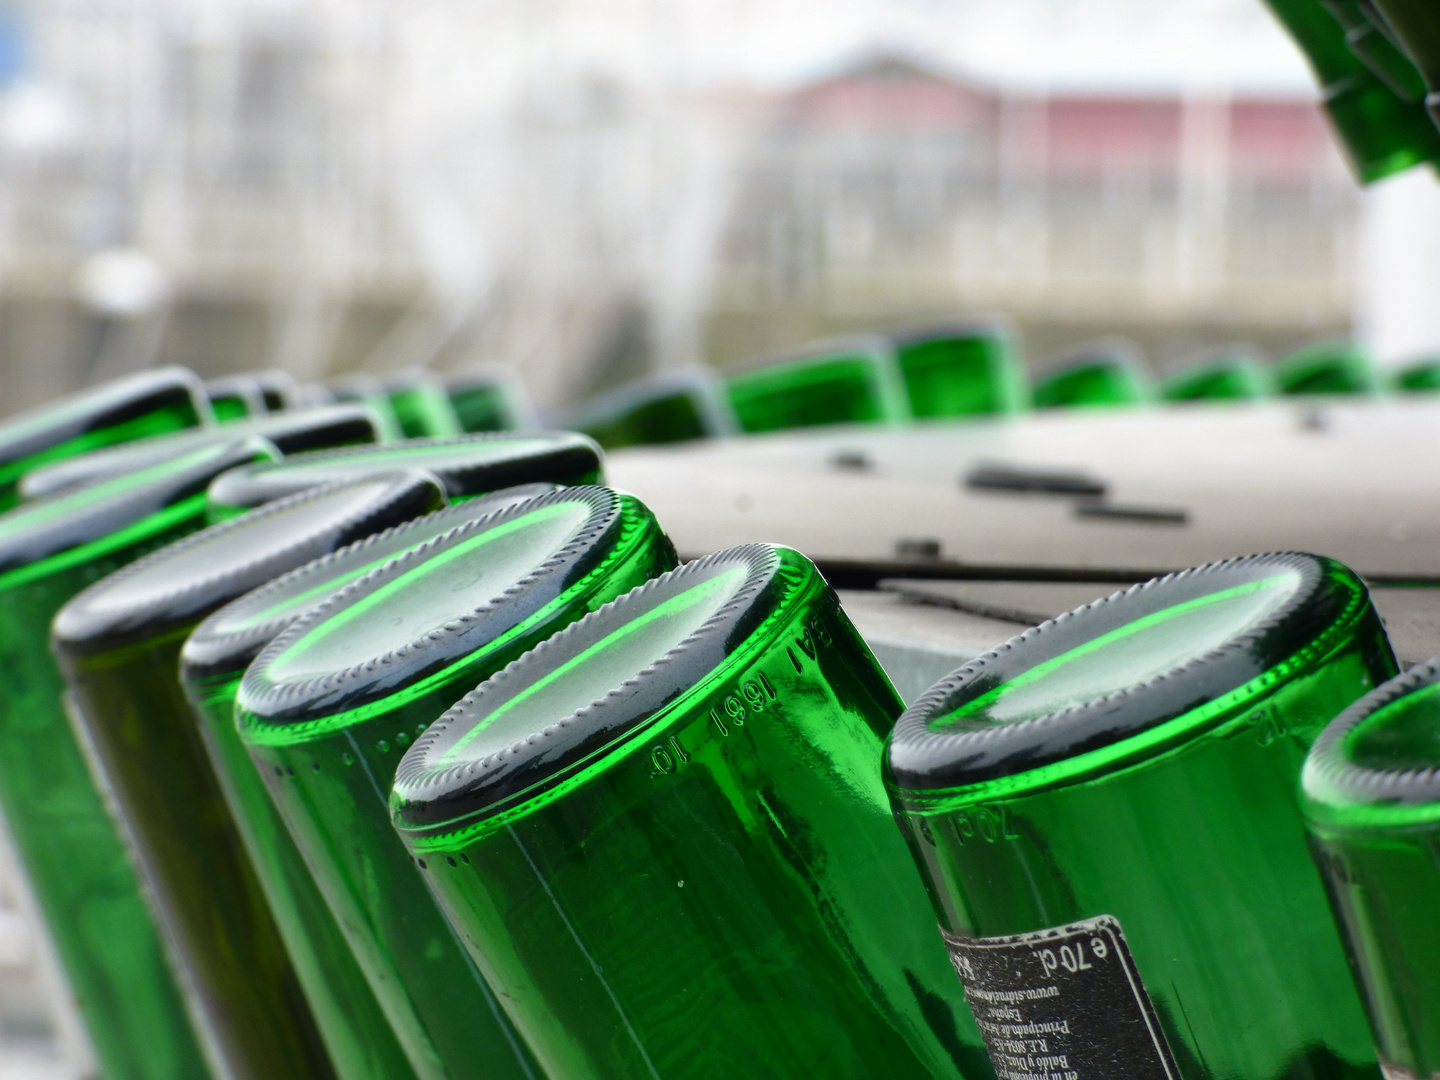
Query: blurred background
x=587 y=192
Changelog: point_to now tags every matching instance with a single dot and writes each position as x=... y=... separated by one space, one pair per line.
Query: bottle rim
x=153 y=594
x=536 y=456
x=1333 y=781
x=289 y=710
x=290 y=432
x=227 y=641
x=443 y=800
x=114 y=402
x=76 y=517
x=1327 y=601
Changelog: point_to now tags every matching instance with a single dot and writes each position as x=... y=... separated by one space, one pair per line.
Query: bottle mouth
x=590 y=689
x=1198 y=642
x=115 y=402
x=1382 y=753
x=447 y=601
x=467 y=465
x=189 y=578
x=226 y=642
x=310 y=429
x=72 y=519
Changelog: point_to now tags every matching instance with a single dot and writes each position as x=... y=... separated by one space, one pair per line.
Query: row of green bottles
x=149 y=403
x=1381 y=131
x=329 y=707
x=252 y=394
x=1104 y=809
x=663 y=837
x=467 y=465
x=297 y=432
x=50 y=549
x=1372 y=804
x=356 y=1031
x=118 y=645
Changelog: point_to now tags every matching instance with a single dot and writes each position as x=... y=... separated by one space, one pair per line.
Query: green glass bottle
x=364 y=389
x=149 y=403
x=1419 y=377
x=1416 y=27
x=1108 y=372
x=1236 y=376
x=325 y=427
x=677 y=406
x=1328 y=367
x=422 y=406
x=1375 y=48
x=468 y=465
x=854 y=381
x=50 y=549
x=328 y=708
x=970 y=369
x=1104 y=808
x=235 y=397
x=493 y=401
x=1381 y=133
x=1372 y=804
x=118 y=644
x=664 y=837
x=212 y=661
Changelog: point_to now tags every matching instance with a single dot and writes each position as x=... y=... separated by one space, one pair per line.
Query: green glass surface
x=229 y=407
x=95 y=418
x=848 y=387
x=1380 y=54
x=438 y=621
x=671 y=408
x=468 y=465
x=1417 y=378
x=1381 y=133
x=1033 y=800
x=424 y=410
x=235 y=397
x=1231 y=379
x=368 y=390
x=1328 y=367
x=700 y=872
x=357 y=1033
x=1102 y=381
x=1373 y=809
x=118 y=645
x=77 y=864
x=493 y=403
x=1416 y=25
x=958 y=373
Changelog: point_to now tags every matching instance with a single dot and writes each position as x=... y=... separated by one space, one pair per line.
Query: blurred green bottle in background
x=329 y=707
x=664 y=837
x=968 y=369
x=852 y=381
x=493 y=401
x=1328 y=367
x=1372 y=802
x=1236 y=376
x=51 y=549
x=677 y=406
x=118 y=644
x=235 y=397
x=1105 y=809
x=1107 y=372
x=422 y=406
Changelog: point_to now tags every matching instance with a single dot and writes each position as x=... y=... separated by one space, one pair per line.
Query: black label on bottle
x=1062 y=1004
